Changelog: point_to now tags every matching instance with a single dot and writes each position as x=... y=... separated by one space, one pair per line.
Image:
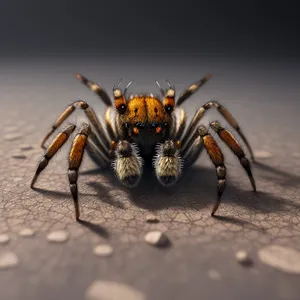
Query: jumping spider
x=142 y=128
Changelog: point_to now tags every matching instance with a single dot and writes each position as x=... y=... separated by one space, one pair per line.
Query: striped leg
x=75 y=159
x=232 y=143
x=57 y=143
x=225 y=113
x=182 y=123
x=101 y=136
x=216 y=157
x=191 y=155
x=96 y=89
x=191 y=90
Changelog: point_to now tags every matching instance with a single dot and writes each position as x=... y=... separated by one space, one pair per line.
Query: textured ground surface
x=262 y=97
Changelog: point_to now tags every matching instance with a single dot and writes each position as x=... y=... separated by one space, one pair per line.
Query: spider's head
x=145 y=118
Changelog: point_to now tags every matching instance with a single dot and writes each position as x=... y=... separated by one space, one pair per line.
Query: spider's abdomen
x=145 y=122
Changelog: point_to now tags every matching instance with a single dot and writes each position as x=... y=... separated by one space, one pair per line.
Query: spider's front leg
x=168 y=163
x=75 y=159
x=215 y=154
x=127 y=163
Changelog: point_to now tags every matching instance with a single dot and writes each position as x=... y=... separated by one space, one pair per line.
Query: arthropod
x=141 y=128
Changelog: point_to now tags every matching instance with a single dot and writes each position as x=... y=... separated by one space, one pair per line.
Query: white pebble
x=103 y=250
x=156 y=238
x=26 y=232
x=262 y=154
x=12 y=136
x=282 y=258
x=58 y=236
x=109 y=290
x=243 y=258
x=4 y=239
x=214 y=275
x=152 y=219
x=8 y=260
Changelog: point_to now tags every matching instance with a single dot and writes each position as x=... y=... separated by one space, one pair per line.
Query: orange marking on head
x=136 y=130
x=158 y=129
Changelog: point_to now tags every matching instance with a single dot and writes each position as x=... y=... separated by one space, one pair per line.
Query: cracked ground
x=263 y=98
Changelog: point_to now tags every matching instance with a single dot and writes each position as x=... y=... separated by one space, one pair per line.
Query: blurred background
x=186 y=29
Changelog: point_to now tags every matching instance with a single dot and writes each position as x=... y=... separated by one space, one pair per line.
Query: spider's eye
x=121 y=108
x=154 y=125
x=139 y=125
x=165 y=125
x=127 y=125
x=168 y=108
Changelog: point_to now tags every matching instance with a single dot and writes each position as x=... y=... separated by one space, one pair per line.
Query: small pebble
x=214 y=275
x=262 y=154
x=26 y=232
x=109 y=290
x=282 y=258
x=156 y=238
x=152 y=219
x=25 y=147
x=58 y=236
x=243 y=258
x=12 y=136
x=11 y=128
x=4 y=239
x=8 y=260
x=103 y=250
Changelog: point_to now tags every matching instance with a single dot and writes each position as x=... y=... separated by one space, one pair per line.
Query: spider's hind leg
x=127 y=164
x=168 y=163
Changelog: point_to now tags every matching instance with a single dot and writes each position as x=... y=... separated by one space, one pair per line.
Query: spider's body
x=145 y=127
x=145 y=123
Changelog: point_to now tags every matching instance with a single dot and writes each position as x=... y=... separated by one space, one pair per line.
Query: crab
x=143 y=128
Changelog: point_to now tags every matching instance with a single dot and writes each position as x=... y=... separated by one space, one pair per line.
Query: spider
x=142 y=128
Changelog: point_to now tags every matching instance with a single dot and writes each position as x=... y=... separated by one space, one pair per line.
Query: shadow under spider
x=196 y=189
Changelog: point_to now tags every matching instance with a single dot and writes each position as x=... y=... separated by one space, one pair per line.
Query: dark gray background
x=252 y=51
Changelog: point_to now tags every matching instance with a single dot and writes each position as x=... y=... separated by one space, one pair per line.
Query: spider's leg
x=127 y=163
x=168 y=163
x=109 y=121
x=96 y=89
x=191 y=90
x=75 y=159
x=57 y=143
x=217 y=158
x=92 y=117
x=232 y=143
x=182 y=123
x=191 y=154
x=225 y=113
x=95 y=153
